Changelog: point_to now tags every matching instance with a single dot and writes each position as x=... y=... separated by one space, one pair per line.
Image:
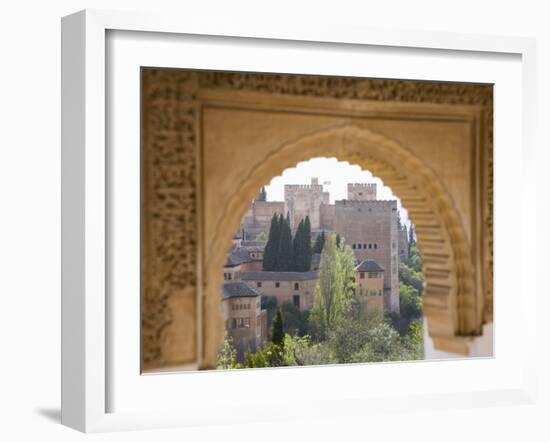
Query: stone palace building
x=371 y=227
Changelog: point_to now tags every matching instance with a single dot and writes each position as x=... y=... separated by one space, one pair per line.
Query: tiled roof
x=368 y=265
x=238 y=290
x=279 y=276
x=237 y=256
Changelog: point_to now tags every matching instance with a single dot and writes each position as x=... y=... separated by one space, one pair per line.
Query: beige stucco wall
x=286 y=291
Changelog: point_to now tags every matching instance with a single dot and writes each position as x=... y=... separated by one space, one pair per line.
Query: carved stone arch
x=449 y=297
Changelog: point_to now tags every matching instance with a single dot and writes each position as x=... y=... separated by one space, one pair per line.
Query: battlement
x=366 y=203
x=304 y=186
x=362 y=191
x=362 y=185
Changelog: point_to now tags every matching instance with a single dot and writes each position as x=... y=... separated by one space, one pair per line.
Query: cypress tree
x=338 y=240
x=298 y=256
x=307 y=245
x=319 y=243
x=284 y=258
x=277 y=334
x=272 y=246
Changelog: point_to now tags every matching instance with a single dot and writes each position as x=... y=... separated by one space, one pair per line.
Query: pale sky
x=335 y=176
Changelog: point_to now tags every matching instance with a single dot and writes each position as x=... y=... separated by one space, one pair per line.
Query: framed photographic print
x=248 y=213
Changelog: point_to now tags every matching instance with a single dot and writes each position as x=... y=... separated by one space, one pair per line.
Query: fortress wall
x=328 y=216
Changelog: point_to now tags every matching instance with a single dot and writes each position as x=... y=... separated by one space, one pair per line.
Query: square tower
x=362 y=191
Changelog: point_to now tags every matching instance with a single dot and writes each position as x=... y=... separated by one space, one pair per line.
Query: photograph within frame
x=431 y=142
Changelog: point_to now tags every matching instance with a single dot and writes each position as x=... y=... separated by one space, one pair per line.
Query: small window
x=243 y=323
x=365 y=246
x=358 y=246
x=353 y=246
x=375 y=246
x=370 y=246
x=277 y=285
x=296 y=300
x=373 y=275
x=258 y=284
x=362 y=275
x=296 y=286
x=229 y=276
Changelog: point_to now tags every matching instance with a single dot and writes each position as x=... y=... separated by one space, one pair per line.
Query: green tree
x=302 y=252
x=271 y=250
x=227 y=356
x=410 y=302
x=261 y=236
x=338 y=240
x=308 y=252
x=269 y=303
x=296 y=320
x=284 y=262
x=277 y=332
x=333 y=290
x=319 y=243
x=410 y=277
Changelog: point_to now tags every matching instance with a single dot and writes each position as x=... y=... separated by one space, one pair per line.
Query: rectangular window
x=365 y=246
x=229 y=276
x=373 y=275
x=296 y=286
x=277 y=285
x=258 y=284
x=361 y=275
x=375 y=246
x=353 y=246
x=296 y=300
x=370 y=246
x=243 y=323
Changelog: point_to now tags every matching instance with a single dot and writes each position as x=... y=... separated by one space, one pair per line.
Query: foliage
x=271 y=355
x=334 y=287
x=271 y=249
x=277 y=333
x=302 y=252
x=261 y=236
x=319 y=243
x=284 y=259
x=269 y=303
x=411 y=277
x=410 y=302
x=283 y=253
x=299 y=351
x=227 y=356
x=295 y=320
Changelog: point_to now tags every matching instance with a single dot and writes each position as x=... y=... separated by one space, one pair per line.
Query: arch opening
x=447 y=268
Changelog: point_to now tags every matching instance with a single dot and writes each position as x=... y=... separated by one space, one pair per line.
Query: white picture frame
x=87 y=354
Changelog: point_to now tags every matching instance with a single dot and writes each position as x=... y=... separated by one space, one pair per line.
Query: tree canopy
x=334 y=287
x=284 y=253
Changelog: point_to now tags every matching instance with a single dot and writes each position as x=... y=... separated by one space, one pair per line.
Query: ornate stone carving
x=169 y=217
